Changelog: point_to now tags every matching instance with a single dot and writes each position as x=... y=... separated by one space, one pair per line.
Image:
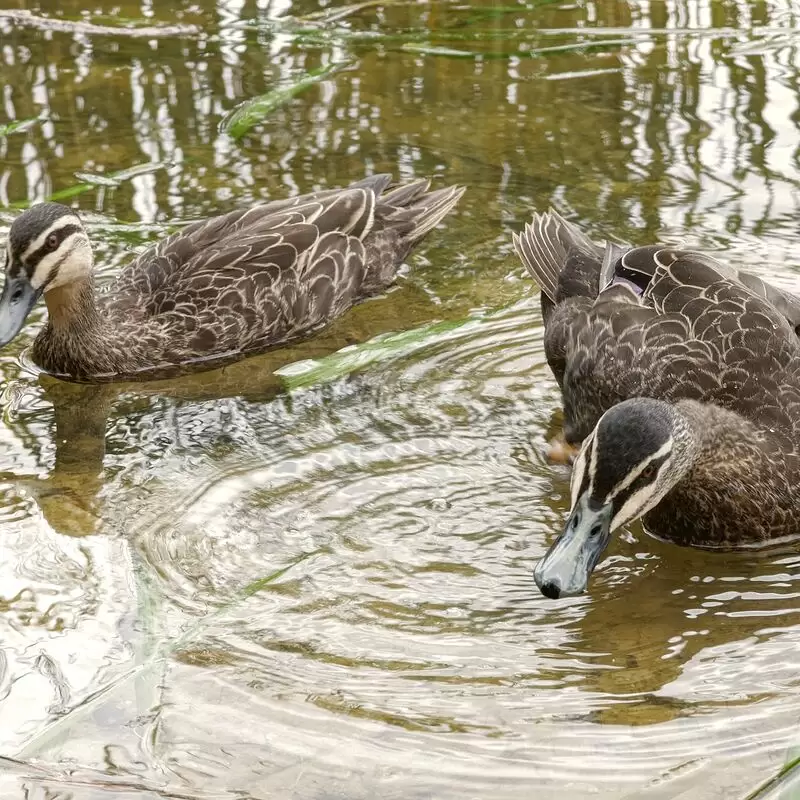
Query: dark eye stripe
x=623 y=497
x=34 y=258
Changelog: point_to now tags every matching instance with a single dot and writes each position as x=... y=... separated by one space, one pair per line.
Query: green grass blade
x=431 y=50
x=587 y=47
x=249 y=113
x=17 y=126
x=785 y=785
x=329 y=15
x=302 y=374
x=97 y=180
x=539 y=52
x=89 y=181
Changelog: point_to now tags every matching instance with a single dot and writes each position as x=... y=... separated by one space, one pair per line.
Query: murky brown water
x=247 y=592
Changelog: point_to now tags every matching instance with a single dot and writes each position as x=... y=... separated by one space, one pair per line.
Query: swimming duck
x=217 y=290
x=680 y=380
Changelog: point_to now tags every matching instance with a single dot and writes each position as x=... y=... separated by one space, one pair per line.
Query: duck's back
x=666 y=324
x=258 y=278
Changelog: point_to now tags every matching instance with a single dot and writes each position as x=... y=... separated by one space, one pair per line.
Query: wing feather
x=672 y=324
x=262 y=276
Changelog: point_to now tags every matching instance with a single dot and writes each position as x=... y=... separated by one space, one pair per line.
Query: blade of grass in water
x=239 y=121
x=329 y=15
x=449 y=52
x=26 y=18
x=17 y=126
x=431 y=50
x=325 y=38
x=62 y=727
x=302 y=374
x=783 y=786
x=495 y=12
x=90 y=182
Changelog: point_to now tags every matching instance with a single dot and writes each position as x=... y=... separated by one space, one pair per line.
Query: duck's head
x=638 y=451
x=47 y=248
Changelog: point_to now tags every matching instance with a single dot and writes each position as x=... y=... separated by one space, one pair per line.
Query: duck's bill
x=16 y=302
x=566 y=567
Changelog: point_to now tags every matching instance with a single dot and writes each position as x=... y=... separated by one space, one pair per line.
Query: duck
x=680 y=384
x=217 y=290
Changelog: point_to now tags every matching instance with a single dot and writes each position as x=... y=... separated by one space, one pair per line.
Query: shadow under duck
x=680 y=380
x=217 y=290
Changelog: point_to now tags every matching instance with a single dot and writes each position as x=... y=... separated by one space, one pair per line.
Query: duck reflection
x=88 y=425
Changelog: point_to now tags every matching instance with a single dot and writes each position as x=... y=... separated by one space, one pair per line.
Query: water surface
x=216 y=587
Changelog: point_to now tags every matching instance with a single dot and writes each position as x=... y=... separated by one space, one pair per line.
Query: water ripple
x=415 y=625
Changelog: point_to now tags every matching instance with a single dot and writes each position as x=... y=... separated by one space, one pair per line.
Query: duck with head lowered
x=217 y=290
x=680 y=379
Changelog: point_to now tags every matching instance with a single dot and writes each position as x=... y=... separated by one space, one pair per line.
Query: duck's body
x=220 y=289
x=713 y=458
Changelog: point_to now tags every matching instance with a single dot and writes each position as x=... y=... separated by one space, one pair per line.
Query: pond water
x=247 y=585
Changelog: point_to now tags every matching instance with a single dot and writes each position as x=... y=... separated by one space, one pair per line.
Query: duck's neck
x=713 y=432
x=737 y=487
x=72 y=308
x=72 y=340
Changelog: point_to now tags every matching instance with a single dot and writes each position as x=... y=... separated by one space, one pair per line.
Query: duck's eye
x=648 y=472
x=52 y=241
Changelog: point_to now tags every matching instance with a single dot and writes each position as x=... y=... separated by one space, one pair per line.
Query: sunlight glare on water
x=215 y=587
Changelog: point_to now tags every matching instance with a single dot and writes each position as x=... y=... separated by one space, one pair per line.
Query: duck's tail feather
x=405 y=194
x=415 y=212
x=544 y=245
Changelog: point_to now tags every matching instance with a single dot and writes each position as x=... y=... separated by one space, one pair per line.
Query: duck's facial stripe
x=51 y=241
x=640 y=494
x=42 y=265
x=60 y=228
x=579 y=481
x=592 y=464
x=656 y=460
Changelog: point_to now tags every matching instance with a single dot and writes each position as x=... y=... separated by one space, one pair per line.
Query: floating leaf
x=249 y=113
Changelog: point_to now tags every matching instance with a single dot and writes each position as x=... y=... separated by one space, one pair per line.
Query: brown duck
x=680 y=379
x=216 y=291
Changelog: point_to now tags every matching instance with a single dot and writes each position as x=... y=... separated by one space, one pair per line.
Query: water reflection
x=149 y=638
x=699 y=130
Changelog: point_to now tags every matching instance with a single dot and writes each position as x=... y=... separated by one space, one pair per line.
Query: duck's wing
x=638 y=266
x=785 y=302
x=696 y=332
x=277 y=271
x=403 y=216
x=566 y=263
x=200 y=246
x=753 y=352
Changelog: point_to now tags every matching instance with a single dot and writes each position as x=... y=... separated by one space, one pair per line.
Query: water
x=250 y=592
